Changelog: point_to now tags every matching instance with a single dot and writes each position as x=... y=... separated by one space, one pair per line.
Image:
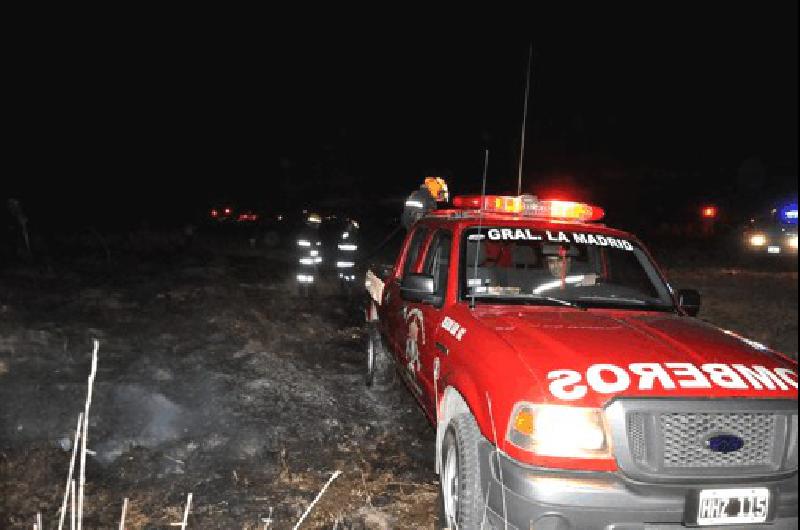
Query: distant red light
x=214 y=213
x=709 y=212
x=227 y=211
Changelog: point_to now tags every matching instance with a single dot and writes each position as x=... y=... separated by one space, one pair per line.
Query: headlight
x=793 y=241
x=758 y=240
x=559 y=431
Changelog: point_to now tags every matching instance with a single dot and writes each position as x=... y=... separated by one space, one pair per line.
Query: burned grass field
x=215 y=379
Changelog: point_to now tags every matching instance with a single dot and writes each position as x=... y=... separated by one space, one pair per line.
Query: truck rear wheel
x=380 y=369
x=461 y=500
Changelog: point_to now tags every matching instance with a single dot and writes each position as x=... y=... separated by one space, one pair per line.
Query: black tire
x=380 y=373
x=463 y=478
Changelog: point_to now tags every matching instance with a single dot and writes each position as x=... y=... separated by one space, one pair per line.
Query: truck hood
x=596 y=355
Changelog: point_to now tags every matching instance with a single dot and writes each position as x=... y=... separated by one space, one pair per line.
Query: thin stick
x=122 y=517
x=186 y=511
x=319 y=495
x=524 y=121
x=82 y=476
x=75 y=442
x=73 y=511
x=39 y=520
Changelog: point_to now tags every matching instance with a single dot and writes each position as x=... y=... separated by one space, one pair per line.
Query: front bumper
x=543 y=499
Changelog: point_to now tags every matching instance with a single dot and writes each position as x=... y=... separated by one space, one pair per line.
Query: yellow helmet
x=437 y=188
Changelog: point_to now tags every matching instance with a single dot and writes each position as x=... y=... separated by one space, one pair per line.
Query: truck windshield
x=581 y=269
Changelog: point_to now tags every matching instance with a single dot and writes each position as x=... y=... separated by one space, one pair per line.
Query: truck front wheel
x=461 y=500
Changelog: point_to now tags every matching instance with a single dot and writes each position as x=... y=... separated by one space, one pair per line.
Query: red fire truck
x=570 y=385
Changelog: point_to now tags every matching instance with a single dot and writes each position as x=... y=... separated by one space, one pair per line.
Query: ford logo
x=725 y=443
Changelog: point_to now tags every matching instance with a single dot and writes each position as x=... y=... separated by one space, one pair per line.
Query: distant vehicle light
x=758 y=240
x=227 y=211
x=303 y=243
x=528 y=205
x=709 y=212
x=214 y=213
x=788 y=213
x=793 y=242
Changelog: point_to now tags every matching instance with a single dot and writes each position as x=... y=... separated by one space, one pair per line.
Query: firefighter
x=309 y=254
x=347 y=255
x=423 y=200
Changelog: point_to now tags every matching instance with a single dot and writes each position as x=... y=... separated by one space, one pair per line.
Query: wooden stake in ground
x=319 y=495
x=82 y=476
x=72 y=510
x=186 y=511
x=69 y=474
x=122 y=517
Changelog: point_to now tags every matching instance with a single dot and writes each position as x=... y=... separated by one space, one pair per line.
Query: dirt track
x=214 y=380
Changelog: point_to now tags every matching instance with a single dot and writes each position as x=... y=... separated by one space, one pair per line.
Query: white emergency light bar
x=530 y=206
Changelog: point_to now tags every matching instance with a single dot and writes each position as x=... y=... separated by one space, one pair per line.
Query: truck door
x=394 y=322
x=423 y=320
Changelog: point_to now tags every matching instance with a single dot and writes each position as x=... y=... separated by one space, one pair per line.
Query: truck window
x=592 y=270
x=437 y=261
x=414 y=248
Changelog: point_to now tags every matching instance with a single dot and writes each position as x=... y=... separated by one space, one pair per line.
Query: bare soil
x=213 y=378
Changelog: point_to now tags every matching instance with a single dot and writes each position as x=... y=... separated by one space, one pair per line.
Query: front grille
x=636 y=436
x=669 y=439
x=686 y=439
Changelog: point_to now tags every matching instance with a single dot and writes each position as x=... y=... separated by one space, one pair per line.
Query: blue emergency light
x=788 y=213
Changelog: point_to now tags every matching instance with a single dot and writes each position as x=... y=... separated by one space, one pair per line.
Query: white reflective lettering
x=649 y=373
x=696 y=379
x=565 y=385
x=789 y=376
x=580 y=238
x=594 y=376
x=724 y=376
x=760 y=377
x=494 y=234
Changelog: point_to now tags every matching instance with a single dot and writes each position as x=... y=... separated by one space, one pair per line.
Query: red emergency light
x=709 y=212
x=529 y=205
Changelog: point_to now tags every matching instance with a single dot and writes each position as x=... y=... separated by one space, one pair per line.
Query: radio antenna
x=524 y=120
x=480 y=228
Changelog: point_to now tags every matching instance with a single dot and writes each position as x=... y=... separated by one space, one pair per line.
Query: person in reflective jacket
x=347 y=254
x=309 y=254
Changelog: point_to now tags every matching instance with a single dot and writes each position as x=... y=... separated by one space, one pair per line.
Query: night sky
x=155 y=121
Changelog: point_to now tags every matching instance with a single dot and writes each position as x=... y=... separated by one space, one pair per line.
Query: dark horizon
x=179 y=122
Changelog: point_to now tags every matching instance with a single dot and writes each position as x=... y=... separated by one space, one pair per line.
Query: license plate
x=774 y=250
x=739 y=506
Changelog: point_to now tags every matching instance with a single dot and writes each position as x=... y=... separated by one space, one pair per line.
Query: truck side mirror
x=418 y=288
x=690 y=301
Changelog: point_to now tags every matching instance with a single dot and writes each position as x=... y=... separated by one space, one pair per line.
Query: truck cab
x=571 y=386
